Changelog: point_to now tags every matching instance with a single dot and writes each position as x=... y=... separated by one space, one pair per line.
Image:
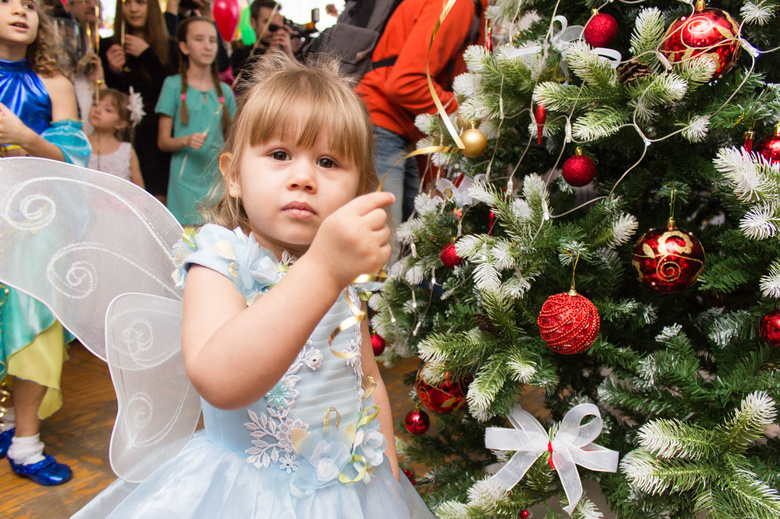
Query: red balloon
x=226 y=16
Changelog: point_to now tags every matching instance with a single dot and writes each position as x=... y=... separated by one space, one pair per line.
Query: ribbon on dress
x=570 y=447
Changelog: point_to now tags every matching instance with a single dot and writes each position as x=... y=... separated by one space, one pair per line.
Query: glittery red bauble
x=770 y=328
x=769 y=148
x=446 y=398
x=579 y=170
x=707 y=31
x=668 y=259
x=568 y=323
x=449 y=256
x=410 y=476
x=601 y=30
x=378 y=344
x=417 y=422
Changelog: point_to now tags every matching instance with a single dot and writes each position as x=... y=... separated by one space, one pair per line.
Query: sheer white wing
x=75 y=239
x=97 y=250
x=143 y=342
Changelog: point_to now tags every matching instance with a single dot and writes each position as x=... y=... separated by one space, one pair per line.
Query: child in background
x=295 y=426
x=38 y=117
x=195 y=109
x=110 y=118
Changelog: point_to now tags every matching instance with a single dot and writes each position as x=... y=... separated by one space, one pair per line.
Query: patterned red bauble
x=770 y=328
x=668 y=259
x=378 y=344
x=579 y=170
x=446 y=398
x=769 y=147
x=449 y=256
x=707 y=31
x=600 y=30
x=417 y=422
x=410 y=476
x=568 y=323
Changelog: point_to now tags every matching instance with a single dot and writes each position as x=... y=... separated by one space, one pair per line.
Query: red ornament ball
x=668 y=259
x=707 y=31
x=600 y=30
x=525 y=514
x=446 y=398
x=449 y=256
x=770 y=328
x=417 y=422
x=769 y=148
x=410 y=476
x=568 y=323
x=378 y=344
x=579 y=170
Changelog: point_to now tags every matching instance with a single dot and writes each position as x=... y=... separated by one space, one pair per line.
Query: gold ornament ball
x=474 y=141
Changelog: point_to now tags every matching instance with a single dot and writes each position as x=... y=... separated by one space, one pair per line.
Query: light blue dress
x=310 y=449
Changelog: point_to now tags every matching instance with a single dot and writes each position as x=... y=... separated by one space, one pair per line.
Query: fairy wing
x=97 y=250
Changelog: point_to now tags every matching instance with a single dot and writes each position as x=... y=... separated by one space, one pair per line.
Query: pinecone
x=485 y=324
x=632 y=70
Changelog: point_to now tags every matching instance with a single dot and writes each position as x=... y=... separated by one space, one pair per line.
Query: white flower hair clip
x=136 y=107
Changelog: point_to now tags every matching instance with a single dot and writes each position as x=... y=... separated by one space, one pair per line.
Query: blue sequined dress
x=310 y=449
x=23 y=320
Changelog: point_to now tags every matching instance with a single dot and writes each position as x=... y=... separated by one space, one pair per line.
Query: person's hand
x=354 y=240
x=95 y=69
x=205 y=8
x=135 y=45
x=116 y=58
x=196 y=140
x=12 y=129
x=281 y=40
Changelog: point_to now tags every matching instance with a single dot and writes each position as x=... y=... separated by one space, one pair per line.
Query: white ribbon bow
x=571 y=447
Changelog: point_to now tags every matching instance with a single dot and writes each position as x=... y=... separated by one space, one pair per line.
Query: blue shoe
x=5 y=441
x=46 y=472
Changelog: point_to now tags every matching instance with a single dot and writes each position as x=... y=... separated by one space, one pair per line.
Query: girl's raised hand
x=116 y=58
x=196 y=140
x=134 y=45
x=354 y=240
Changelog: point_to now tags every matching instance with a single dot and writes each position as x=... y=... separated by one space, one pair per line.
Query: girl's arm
x=166 y=142
x=135 y=170
x=370 y=368
x=63 y=106
x=235 y=354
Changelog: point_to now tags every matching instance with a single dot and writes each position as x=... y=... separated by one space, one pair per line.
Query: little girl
x=38 y=117
x=198 y=107
x=109 y=116
x=295 y=426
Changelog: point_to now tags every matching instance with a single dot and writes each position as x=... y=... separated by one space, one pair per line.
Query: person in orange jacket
x=396 y=89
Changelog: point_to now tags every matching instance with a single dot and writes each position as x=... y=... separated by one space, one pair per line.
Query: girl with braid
x=195 y=109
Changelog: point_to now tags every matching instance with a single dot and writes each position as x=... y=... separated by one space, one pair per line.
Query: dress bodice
x=318 y=421
x=21 y=87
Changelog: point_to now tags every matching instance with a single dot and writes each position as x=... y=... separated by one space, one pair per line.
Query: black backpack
x=355 y=35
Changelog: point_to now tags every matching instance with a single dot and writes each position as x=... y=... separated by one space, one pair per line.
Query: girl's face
x=18 y=23
x=201 y=44
x=104 y=116
x=135 y=13
x=287 y=191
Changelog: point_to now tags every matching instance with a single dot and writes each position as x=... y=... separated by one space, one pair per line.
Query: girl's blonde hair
x=45 y=54
x=155 y=32
x=121 y=102
x=290 y=101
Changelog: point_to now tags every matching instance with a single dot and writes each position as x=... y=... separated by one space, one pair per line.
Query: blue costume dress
x=23 y=320
x=311 y=448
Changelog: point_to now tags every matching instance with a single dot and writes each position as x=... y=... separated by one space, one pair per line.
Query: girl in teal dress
x=198 y=108
x=38 y=117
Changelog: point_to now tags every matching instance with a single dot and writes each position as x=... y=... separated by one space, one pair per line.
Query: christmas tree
x=582 y=273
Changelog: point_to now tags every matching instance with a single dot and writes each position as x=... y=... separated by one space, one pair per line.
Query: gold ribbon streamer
x=368 y=415
x=369 y=385
x=326 y=418
x=343 y=478
x=436 y=100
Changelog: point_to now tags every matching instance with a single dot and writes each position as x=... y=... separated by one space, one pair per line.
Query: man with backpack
x=396 y=89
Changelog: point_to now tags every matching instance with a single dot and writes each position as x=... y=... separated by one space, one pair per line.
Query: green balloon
x=247 y=32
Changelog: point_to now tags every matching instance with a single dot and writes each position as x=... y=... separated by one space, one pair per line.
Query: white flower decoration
x=136 y=107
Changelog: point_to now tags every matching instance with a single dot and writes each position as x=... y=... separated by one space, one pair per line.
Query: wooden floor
x=78 y=435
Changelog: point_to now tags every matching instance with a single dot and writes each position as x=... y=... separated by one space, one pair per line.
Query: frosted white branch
x=770 y=283
x=759 y=13
x=697 y=129
x=623 y=229
x=760 y=222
